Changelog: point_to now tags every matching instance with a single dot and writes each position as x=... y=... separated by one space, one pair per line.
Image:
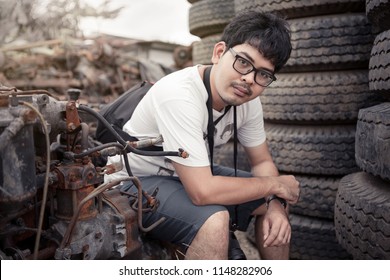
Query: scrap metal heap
x=102 y=67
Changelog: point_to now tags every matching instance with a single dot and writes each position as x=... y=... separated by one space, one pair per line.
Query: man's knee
x=212 y=239
x=219 y=219
x=216 y=227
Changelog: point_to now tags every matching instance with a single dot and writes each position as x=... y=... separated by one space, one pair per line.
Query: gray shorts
x=183 y=218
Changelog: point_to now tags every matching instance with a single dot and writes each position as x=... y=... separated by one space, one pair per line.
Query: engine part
x=17 y=175
x=53 y=201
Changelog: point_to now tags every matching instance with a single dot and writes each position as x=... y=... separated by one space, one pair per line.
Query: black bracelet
x=281 y=200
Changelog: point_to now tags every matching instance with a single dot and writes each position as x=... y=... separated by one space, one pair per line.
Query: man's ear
x=219 y=50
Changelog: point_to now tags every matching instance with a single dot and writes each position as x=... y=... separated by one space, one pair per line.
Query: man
x=202 y=205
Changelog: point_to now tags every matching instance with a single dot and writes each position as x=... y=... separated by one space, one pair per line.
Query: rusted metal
x=32 y=45
x=183 y=153
x=75 y=182
x=145 y=143
x=68 y=234
x=72 y=116
x=17 y=178
x=46 y=83
x=140 y=209
x=152 y=202
x=32 y=92
x=121 y=204
x=46 y=253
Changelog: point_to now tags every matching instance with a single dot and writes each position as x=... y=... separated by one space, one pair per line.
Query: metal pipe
x=10 y=131
x=84 y=136
x=67 y=236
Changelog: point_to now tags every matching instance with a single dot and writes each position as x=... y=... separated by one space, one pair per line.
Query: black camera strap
x=210 y=132
x=211 y=124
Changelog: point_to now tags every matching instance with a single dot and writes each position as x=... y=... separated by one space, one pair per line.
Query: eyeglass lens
x=243 y=66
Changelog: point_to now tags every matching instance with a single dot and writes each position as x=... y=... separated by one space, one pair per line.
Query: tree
x=37 y=20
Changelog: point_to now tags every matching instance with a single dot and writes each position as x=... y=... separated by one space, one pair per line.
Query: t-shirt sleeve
x=181 y=123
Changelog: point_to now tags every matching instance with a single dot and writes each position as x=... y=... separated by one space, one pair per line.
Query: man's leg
x=240 y=216
x=212 y=240
x=269 y=253
x=201 y=230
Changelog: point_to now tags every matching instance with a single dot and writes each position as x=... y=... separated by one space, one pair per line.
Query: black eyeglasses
x=243 y=66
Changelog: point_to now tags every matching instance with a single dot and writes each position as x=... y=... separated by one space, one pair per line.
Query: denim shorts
x=183 y=219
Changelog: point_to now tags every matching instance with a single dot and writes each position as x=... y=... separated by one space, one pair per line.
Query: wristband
x=281 y=200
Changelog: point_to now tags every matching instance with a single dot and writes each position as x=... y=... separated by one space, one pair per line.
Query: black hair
x=267 y=32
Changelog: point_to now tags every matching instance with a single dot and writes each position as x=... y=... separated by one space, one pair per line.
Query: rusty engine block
x=54 y=203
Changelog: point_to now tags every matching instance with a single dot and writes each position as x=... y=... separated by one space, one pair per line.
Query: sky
x=163 y=20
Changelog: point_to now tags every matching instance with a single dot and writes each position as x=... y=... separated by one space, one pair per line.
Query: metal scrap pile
x=102 y=69
x=39 y=50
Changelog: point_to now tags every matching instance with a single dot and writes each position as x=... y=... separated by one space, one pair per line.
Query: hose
x=128 y=147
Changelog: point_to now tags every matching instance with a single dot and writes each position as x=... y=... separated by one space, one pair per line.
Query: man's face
x=234 y=88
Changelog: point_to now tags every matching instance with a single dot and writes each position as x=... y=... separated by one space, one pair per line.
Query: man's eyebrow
x=247 y=56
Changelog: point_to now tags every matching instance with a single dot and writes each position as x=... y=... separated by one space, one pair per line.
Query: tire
x=331 y=42
x=314 y=98
x=379 y=66
x=313 y=150
x=301 y=8
x=314 y=239
x=317 y=197
x=182 y=56
x=378 y=13
x=372 y=144
x=362 y=216
x=209 y=17
x=203 y=49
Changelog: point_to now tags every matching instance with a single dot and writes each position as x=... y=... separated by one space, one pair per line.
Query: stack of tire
x=362 y=210
x=207 y=19
x=311 y=112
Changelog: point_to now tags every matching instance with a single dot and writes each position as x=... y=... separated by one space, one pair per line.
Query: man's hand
x=287 y=187
x=276 y=227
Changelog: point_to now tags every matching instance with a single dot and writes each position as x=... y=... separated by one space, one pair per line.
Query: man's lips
x=241 y=90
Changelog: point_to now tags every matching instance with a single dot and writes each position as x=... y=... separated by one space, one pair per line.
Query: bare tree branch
x=35 y=20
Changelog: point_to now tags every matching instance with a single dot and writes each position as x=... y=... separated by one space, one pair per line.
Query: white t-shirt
x=175 y=107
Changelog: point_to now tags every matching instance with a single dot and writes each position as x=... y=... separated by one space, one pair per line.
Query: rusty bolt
x=29 y=116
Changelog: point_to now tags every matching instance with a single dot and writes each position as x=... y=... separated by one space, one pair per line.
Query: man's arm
x=204 y=188
x=262 y=164
x=275 y=227
x=261 y=161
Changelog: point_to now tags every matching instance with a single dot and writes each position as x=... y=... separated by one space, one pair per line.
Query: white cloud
x=147 y=20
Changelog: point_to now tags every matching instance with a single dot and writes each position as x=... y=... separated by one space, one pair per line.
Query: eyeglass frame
x=254 y=69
